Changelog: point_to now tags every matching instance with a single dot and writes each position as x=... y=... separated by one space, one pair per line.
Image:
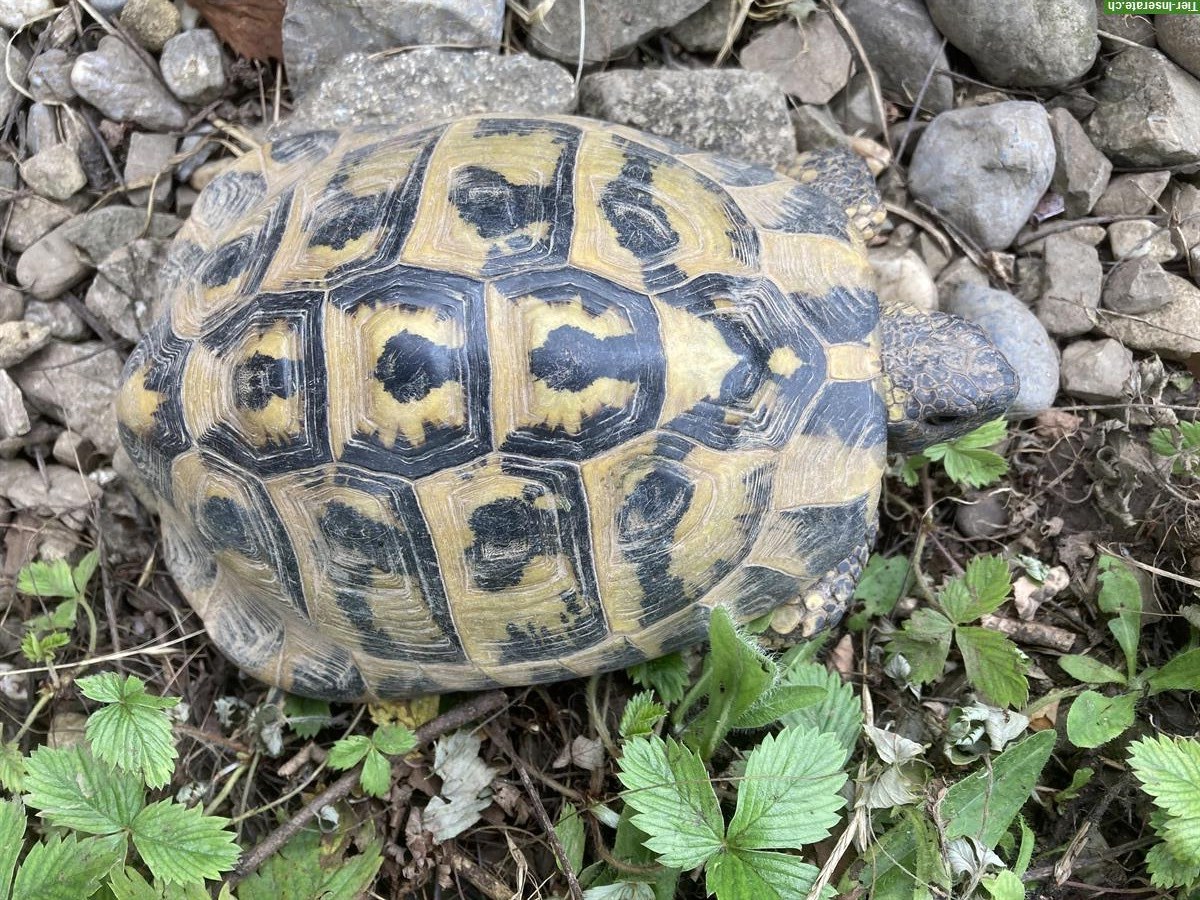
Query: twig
x=876 y=94
x=480 y=877
x=480 y=706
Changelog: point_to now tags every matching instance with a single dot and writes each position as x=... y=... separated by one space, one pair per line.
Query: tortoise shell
x=502 y=401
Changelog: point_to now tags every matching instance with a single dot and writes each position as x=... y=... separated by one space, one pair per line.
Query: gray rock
x=12 y=304
x=1139 y=29
x=151 y=22
x=1172 y=330
x=51 y=267
x=114 y=79
x=613 y=27
x=50 y=76
x=54 y=491
x=1081 y=172
x=18 y=68
x=14 y=417
x=1183 y=205
x=1071 y=284
x=41 y=128
x=109 y=8
x=149 y=156
x=856 y=107
x=75 y=452
x=1096 y=371
x=705 y=30
x=54 y=172
x=75 y=384
x=983 y=517
x=1136 y=286
x=431 y=84
x=87 y=147
x=1135 y=194
x=20 y=340
x=815 y=127
x=1027 y=279
x=193 y=66
x=742 y=114
x=124 y=295
x=1148 y=113
x=810 y=61
x=319 y=33
x=1020 y=337
x=1179 y=38
x=101 y=231
x=985 y=169
x=32 y=217
x=16 y=14
x=901 y=277
x=1022 y=43
x=904 y=46
x=1139 y=237
x=961 y=271
x=62 y=321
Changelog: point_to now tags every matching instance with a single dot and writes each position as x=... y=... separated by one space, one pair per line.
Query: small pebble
x=1179 y=38
x=63 y=322
x=901 y=276
x=984 y=516
x=16 y=14
x=151 y=22
x=810 y=61
x=1183 y=206
x=1139 y=237
x=1136 y=286
x=1081 y=172
x=54 y=172
x=12 y=304
x=1096 y=371
x=14 y=417
x=1072 y=278
x=149 y=157
x=50 y=76
x=613 y=27
x=904 y=46
x=20 y=340
x=51 y=267
x=1135 y=194
x=114 y=79
x=75 y=384
x=705 y=30
x=1172 y=330
x=193 y=66
x=75 y=452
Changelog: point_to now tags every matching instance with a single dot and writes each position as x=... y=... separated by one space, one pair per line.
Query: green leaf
x=12 y=767
x=394 y=740
x=1090 y=671
x=569 y=829
x=1168 y=871
x=676 y=807
x=376 y=776
x=981 y=590
x=987 y=435
x=1163 y=441
x=1079 y=780
x=882 y=584
x=312 y=866
x=839 y=712
x=42 y=649
x=965 y=459
x=1169 y=770
x=129 y=884
x=984 y=804
x=1121 y=595
x=305 y=716
x=1004 y=886
x=61 y=618
x=667 y=676
x=132 y=732
x=641 y=714
x=84 y=570
x=905 y=861
x=72 y=790
x=744 y=874
x=182 y=845
x=910 y=471
x=1181 y=673
x=12 y=832
x=1025 y=852
x=994 y=665
x=778 y=702
x=925 y=642
x=788 y=796
x=347 y=752
x=52 y=578
x=64 y=868
x=1095 y=719
x=622 y=890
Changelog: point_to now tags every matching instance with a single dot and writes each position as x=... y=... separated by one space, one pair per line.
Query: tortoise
x=506 y=399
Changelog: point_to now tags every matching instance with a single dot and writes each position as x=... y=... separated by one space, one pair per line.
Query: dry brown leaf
x=253 y=28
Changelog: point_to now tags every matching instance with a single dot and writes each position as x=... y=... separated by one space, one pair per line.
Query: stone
x=31 y=219
x=75 y=384
x=1072 y=278
x=193 y=66
x=62 y=321
x=985 y=168
x=705 y=30
x=114 y=79
x=1172 y=330
x=1019 y=336
x=17 y=72
x=53 y=491
x=1096 y=371
x=1139 y=237
x=1136 y=286
x=428 y=83
x=124 y=295
x=54 y=172
x=810 y=61
x=151 y=22
x=814 y=127
x=149 y=156
x=1139 y=29
x=1148 y=112
x=1022 y=43
x=317 y=34
x=91 y=154
x=856 y=107
x=904 y=46
x=41 y=128
x=16 y=14
x=51 y=267
x=613 y=27
x=1179 y=38
x=12 y=304
x=50 y=76
x=1027 y=279
x=14 y=417
x=75 y=452
x=1135 y=194
x=20 y=340
x=958 y=272
x=1183 y=206
x=901 y=276
x=99 y=232
x=983 y=517
x=1081 y=172
x=742 y=114
x=109 y=8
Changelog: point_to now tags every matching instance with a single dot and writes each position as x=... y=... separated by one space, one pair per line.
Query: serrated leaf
x=12 y=831
x=347 y=752
x=905 y=861
x=181 y=845
x=72 y=790
x=569 y=829
x=1181 y=673
x=676 y=807
x=910 y=471
x=376 y=776
x=132 y=732
x=12 y=767
x=667 y=676
x=788 y=796
x=129 y=884
x=621 y=890
x=305 y=716
x=1169 y=770
x=1094 y=719
x=51 y=578
x=394 y=740
x=839 y=712
x=987 y=435
x=882 y=584
x=641 y=714
x=66 y=868
x=1169 y=871
x=987 y=585
x=1163 y=441
x=965 y=459
x=1089 y=671
x=1190 y=432
x=924 y=642
x=764 y=875
x=779 y=701
x=994 y=665
x=312 y=866
x=1121 y=595
x=84 y=570
x=984 y=804
x=41 y=649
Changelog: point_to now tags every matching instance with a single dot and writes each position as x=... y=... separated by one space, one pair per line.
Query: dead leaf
x=1057 y=424
x=587 y=753
x=253 y=28
x=466 y=786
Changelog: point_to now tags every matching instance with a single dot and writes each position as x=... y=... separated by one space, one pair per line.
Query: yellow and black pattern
x=503 y=400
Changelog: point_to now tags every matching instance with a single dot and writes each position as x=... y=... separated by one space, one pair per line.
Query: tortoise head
x=943 y=377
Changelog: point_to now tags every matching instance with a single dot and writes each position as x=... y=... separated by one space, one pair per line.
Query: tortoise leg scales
x=823 y=604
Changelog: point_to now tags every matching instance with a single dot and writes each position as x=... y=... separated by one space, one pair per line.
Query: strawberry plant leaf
x=994 y=665
x=181 y=845
x=1094 y=719
x=131 y=732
